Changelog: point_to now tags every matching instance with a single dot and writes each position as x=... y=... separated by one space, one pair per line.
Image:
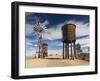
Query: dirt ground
x=53 y=62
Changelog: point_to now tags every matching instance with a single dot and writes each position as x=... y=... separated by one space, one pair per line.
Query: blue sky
x=53 y=35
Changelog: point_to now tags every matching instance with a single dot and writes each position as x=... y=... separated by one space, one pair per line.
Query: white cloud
x=30 y=49
x=84 y=42
x=31 y=41
x=81 y=27
x=56 y=33
x=46 y=22
x=28 y=29
x=30 y=52
x=28 y=43
x=55 y=51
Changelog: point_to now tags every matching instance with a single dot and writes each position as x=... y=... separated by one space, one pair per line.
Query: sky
x=53 y=35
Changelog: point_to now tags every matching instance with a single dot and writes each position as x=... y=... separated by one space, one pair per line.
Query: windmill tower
x=39 y=29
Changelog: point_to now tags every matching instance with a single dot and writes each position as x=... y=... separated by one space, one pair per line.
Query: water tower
x=69 y=39
x=44 y=50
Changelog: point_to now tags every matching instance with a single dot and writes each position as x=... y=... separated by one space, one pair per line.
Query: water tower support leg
x=74 y=50
x=63 y=50
x=68 y=51
x=71 y=51
x=39 y=52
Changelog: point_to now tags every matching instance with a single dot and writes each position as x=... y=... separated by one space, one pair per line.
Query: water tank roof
x=69 y=26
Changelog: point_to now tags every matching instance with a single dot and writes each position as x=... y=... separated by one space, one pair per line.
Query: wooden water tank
x=45 y=49
x=68 y=32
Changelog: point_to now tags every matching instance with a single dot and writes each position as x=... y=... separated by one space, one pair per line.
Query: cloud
x=84 y=42
x=81 y=27
x=53 y=34
x=46 y=22
x=55 y=51
x=30 y=52
x=30 y=47
x=31 y=41
x=56 y=33
x=29 y=27
x=28 y=43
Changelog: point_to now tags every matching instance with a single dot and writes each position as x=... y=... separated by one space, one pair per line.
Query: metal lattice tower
x=39 y=29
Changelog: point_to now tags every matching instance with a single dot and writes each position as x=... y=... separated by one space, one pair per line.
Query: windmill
x=39 y=29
